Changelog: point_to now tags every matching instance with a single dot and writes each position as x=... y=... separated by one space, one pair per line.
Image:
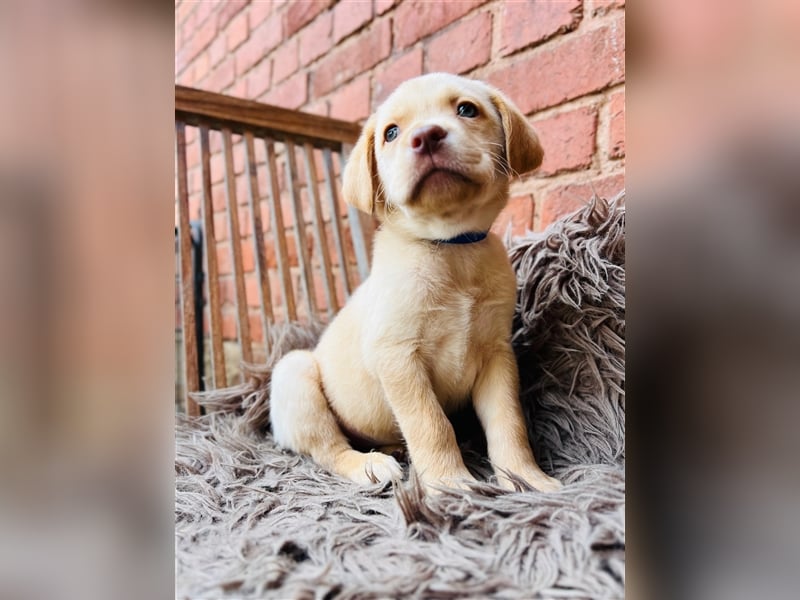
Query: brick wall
x=561 y=61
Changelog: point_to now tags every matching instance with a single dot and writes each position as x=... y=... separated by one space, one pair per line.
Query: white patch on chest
x=449 y=341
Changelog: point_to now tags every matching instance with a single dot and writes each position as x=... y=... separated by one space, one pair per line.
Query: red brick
x=245 y=223
x=396 y=72
x=201 y=67
x=269 y=251
x=188 y=24
x=616 y=128
x=602 y=7
x=416 y=19
x=237 y=32
x=203 y=11
x=319 y=107
x=571 y=197
x=285 y=60
x=362 y=53
x=215 y=141
x=221 y=226
x=568 y=140
x=275 y=291
x=217 y=174
x=227 y=290
x=291 y=248
x=526 y=23
x=248 y=257
x=229 y=328
x=223 y=76
x=262 y=41
x=224 y=260
x=182 y=10
x=199 y=39
x=258 y=79
x=192 y=155
x=580 y=65
x=186 y=77
x=229 y=10
x=351 y=102
x=256 y=326
x=251 y=291
x=319 y=290
x=217 y=190
x=381 y=6
x=194 y=207
x=473 y=39
x=518 y=213
x=194 y=181
x=239 y=89
x=266 y=216
x=300 y=13
x=259 y=10
x=292 y=93
x=239 y=187
x=349 y=17
x=315 y=40
x=238 y=154
x=218 y=50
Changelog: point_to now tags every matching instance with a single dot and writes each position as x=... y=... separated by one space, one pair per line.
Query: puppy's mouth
x=439 y=176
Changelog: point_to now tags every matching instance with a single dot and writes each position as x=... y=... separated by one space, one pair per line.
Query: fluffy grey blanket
x=253 y=520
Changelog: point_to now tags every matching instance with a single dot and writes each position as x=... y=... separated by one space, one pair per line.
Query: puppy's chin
x=439 y=186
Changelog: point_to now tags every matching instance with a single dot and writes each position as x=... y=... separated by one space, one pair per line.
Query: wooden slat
x=265 y=295
x=306 y=276
x=191 y=376
x=360 y=227
x=319 y=230
x=245 y=339
x=331 y=188
x=279 y=232
x=218 y=110
x=215 y=312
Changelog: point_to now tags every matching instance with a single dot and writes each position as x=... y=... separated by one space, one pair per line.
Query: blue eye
x=468 y=110
x=391 y=133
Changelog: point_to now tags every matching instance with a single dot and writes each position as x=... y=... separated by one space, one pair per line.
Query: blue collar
x=470 y=237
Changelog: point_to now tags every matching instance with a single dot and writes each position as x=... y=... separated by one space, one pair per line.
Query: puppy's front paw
x=377 y=468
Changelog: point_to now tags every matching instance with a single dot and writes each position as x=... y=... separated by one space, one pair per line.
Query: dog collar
x=470 y=237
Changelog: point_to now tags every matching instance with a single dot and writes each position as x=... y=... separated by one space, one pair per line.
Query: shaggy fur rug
x=253 y=520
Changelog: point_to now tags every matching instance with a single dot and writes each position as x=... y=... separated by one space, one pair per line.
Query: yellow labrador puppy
x=429 y=330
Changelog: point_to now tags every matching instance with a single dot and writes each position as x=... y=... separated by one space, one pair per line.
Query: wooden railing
x=323 y=144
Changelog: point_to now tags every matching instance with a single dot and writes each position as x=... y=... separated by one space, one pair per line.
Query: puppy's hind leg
x=302 y=421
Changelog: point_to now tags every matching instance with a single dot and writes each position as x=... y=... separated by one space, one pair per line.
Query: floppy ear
x=523 y=151
x=359 y=181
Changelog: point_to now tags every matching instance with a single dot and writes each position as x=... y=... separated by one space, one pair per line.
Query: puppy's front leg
x=428 y=433
x=496 y=401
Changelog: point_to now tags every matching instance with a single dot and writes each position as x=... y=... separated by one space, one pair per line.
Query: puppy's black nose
x=426 y=139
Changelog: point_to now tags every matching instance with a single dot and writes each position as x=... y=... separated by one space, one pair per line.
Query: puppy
x=429 y=329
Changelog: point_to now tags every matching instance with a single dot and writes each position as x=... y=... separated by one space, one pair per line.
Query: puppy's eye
x=391 y=133
x=468 y=110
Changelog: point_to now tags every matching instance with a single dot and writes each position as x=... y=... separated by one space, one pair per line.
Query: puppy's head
x=437 y=156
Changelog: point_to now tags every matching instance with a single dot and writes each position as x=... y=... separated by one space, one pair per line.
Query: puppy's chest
x=461 y=326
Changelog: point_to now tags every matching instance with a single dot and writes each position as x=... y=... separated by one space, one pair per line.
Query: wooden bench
x=322 y=145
